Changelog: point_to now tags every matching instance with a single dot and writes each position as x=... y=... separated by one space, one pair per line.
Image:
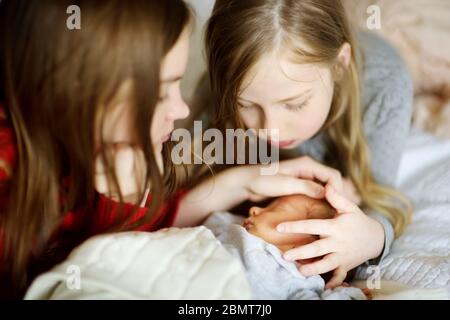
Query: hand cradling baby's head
x=262 y=222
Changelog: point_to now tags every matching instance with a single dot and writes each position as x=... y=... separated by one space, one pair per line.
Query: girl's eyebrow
x=304 y=93
x=296 y=97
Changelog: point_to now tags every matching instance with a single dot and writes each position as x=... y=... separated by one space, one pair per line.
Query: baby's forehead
x=296 y=202
x=283 y=204
x=293 y=199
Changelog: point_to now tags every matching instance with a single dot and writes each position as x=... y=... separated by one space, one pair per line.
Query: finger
x=312 y=226
x=339 y=202
x=350 y=192
x=282 y=185
x=338 y=278
x=328 y=263
x=315 y=249
x=256 y=198
x=308 y=168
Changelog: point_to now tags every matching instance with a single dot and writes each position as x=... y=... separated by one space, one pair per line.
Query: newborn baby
x=259 y=247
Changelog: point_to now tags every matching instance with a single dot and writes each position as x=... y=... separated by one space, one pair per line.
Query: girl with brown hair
x=86 y=116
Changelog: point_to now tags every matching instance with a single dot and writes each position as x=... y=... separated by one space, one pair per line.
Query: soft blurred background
x=419 y=29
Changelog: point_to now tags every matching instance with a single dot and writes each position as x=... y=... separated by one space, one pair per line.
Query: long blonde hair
x=239 y=33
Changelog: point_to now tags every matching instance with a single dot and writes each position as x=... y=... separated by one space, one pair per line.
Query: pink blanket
x=420 y=30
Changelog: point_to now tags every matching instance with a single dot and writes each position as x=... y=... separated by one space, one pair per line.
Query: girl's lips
x=282 y=144
x=166 y=137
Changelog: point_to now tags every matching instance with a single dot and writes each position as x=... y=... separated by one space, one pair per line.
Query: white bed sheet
x=420 y=258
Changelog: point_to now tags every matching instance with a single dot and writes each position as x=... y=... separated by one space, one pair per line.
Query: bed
x=420 y=258
x=192 y=264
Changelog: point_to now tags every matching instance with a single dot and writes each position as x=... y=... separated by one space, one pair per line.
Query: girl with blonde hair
x=339 y=97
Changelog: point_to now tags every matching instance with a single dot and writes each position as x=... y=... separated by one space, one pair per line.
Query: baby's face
x=262 y=222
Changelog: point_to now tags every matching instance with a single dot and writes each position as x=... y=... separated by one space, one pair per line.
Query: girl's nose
x=178 y=111
x=271 y=123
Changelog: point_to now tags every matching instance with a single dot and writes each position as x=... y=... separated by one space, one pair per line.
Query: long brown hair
x=55 y=82
x=239 y=33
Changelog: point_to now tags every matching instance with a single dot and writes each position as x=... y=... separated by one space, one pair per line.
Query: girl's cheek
x=251 y=118
x=309 y=124
x=156 y=126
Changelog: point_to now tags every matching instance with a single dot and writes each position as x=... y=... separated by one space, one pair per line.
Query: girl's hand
x=294 y=176
x=350 y=191
x=242 y=183
x=345 y=242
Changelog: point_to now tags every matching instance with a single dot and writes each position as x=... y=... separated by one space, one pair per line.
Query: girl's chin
x=291 y=145
x=286 y=144
x=294 y=145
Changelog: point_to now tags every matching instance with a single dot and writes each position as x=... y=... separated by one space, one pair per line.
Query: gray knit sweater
x=387 y=94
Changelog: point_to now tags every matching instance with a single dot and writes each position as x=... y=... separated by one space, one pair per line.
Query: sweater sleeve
x=7 y=148
x=7 y=164
x=387 y=94
x=108 y=210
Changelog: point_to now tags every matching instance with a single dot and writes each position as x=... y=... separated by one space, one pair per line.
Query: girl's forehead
x=175 y=62
x=275 y=79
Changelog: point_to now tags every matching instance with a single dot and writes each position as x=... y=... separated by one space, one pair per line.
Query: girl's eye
x=299 y=106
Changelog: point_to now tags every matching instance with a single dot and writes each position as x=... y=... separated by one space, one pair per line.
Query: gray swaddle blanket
x=270 y=276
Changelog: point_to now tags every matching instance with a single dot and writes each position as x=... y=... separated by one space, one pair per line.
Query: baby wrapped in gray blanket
x=256 y=243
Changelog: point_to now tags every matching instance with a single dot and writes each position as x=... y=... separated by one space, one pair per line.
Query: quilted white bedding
x=420 y=258
x=169 y=264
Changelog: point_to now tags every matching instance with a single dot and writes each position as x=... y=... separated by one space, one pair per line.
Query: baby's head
x=262 y=222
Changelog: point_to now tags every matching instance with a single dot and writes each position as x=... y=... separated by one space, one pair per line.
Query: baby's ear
x=254 y=211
